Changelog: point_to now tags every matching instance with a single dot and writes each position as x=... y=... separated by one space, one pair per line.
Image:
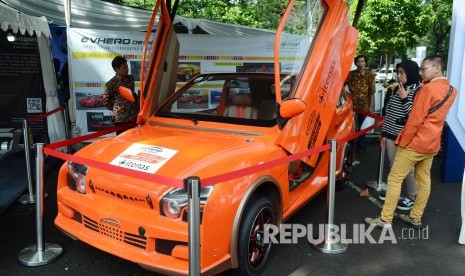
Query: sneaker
x=377 y=222
x=405 y=204
x=382 y=197
x=414 y=223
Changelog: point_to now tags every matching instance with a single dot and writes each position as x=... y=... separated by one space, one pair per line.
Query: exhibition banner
x=93 y=50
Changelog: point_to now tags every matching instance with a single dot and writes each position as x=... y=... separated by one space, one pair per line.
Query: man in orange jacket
x=418 y=143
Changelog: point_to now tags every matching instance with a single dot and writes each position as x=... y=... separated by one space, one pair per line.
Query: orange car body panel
x=115 y=214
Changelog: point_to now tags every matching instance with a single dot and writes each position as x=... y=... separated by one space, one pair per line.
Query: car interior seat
x=267 y=107
x=241 y=107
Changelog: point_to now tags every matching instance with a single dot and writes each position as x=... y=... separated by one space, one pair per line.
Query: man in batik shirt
x=123 y=110
x=361 y=84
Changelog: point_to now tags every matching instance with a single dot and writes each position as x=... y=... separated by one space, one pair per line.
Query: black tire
x=343 y=181
x=252 y=253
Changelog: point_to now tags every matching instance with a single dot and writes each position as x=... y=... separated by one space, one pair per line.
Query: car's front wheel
x=252 y=251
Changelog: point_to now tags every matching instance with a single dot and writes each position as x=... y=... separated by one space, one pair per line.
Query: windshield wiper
x=179 y=116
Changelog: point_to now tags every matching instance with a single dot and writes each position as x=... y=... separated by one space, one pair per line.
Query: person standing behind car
x=418 y=143
x=397 y=106
x=123 y=110
x=361 y=84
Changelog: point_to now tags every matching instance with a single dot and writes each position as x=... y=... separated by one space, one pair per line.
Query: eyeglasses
x=426 y=67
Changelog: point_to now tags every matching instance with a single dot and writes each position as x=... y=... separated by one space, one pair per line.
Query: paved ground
x=434 y=252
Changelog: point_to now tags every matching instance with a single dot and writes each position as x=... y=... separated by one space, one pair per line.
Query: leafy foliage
x=438 y=34
x=252 y=13
x=392 y=26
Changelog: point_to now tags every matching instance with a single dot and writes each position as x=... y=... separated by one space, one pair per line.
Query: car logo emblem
x=110 y=221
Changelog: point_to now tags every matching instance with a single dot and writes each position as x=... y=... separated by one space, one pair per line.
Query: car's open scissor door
x=321 y=63
x=158 y=75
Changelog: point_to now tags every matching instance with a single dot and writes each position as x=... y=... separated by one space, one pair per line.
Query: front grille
x=115 y=233
x=111 y=232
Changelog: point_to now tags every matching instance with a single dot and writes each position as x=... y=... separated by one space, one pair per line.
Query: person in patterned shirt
x=123 y=110
x=361 y=83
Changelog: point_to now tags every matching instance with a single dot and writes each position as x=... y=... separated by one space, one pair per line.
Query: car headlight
x=172 y=204
x=76 y=177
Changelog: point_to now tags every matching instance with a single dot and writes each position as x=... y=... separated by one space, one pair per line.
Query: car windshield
x=237 y=98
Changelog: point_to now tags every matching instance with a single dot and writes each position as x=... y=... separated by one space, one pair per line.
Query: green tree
x=438 y=35
x=143 y=4
x=252 y=13
x=392 y=26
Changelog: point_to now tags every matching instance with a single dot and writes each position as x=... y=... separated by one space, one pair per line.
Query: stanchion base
x=30 y=256
x=27 y=199
x=330 y=247
x=377 y=186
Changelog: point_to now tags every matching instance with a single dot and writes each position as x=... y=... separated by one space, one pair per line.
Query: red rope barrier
x=178 y=183
x=359 y=133
x=43 y=115
x=267 y=165
x=89 y=136
x=115 y=169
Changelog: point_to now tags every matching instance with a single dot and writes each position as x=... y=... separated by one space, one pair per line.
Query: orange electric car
x=243 y=119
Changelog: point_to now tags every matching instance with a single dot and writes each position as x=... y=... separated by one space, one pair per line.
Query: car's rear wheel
x=346 y=173
x=252 y=251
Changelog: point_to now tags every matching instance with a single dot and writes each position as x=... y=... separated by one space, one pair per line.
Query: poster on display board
x=21 y=83
x=93 y=50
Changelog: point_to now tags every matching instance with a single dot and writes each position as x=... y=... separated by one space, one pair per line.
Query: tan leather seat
x=241 y=107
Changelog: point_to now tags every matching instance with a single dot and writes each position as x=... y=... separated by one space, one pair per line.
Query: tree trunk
x=358 y=12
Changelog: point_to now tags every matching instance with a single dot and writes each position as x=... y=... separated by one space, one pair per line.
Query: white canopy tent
x=20 y=22
x=102 y=15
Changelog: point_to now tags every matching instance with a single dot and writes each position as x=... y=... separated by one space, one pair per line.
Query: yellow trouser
x=404 y=161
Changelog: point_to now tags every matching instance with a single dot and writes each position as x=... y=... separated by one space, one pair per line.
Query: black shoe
x=405 y=204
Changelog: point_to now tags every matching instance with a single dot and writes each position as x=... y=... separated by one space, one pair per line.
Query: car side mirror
x=126 y=93
x=291 y=108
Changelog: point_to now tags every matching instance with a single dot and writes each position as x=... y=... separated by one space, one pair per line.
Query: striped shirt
x=396 y=108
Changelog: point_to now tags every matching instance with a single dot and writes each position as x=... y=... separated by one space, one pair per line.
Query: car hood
x=176 y=153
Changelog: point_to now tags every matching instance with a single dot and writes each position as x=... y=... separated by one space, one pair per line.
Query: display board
x=22 y=91
x=93 y=50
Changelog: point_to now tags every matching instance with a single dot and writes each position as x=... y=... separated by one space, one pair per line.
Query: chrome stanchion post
x=381 y=102
x=379 y=185
x=67 y=130
x=28 y=198
x=193 y=193
x=39 y=254
x=354 y=141
x=329 y=245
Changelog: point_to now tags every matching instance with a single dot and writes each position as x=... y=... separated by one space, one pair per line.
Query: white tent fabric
x=97 y=14
x=10 y=18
